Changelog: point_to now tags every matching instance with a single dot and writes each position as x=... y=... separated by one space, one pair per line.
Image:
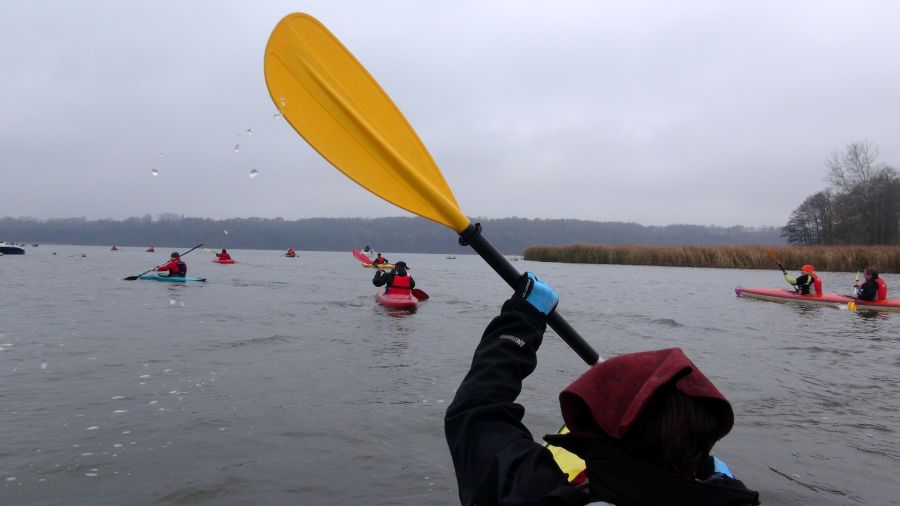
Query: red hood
x=612 y=394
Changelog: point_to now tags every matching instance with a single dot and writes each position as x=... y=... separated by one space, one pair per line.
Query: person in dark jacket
x=397 y=281
x=873 y=288
x=644 y=423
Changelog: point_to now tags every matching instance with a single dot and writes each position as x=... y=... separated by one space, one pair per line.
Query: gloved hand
x=536 y=293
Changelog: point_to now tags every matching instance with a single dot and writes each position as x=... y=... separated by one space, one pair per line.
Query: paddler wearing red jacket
x=397 y=282
x=223 y=256
x=807 y=279
x=645 y=424
x=176 y=267
x=873 y=288
x=379 y=260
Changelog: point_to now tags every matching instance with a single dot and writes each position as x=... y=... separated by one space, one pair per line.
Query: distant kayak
x=396 y=301
x=172 y=279
x=229 y=261
x=827 y=299
x=151 y=249
x=386 y=267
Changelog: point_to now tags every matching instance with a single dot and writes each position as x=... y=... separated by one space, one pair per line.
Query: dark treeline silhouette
x=412 y=235
x=862 y=205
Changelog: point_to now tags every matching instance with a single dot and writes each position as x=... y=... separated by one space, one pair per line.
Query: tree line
x=408 y=235
x=860 y=206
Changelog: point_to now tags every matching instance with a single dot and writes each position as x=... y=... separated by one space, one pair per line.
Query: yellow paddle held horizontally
x=330 y=99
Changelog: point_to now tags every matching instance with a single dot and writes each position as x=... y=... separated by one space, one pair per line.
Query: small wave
x=257 y=341
x=666 y=322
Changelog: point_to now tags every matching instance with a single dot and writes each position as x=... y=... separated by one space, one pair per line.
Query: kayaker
x=643 y=422
x=873 y=288
x=223 y=256
x=398 y=281
x=176 y=267
x=807 y=279
x=379 y=260
x=291 y=253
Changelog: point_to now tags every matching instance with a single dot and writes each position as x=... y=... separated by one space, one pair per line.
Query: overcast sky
x=656 y=112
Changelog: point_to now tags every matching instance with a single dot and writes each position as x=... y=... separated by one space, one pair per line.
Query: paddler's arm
x=165 y=267
x=790 y=279
x=494 y=454
x=380 y=279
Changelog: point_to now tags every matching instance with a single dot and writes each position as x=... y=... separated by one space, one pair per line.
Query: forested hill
x=410 y=235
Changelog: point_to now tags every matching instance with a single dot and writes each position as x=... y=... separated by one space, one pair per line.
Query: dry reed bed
x=824 y=258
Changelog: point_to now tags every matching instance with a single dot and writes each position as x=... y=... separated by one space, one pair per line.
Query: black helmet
x=175 y=254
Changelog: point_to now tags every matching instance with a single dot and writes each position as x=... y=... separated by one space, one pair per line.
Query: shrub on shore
x=824 y=258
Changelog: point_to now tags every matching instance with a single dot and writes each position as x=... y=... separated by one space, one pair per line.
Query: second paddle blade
x=338 y=107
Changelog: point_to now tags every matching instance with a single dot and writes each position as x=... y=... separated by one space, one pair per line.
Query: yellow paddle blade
x=338 y=107
x=851 y=306
x=567 y=461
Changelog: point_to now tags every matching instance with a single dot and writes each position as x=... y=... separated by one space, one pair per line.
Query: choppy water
x=280 y=381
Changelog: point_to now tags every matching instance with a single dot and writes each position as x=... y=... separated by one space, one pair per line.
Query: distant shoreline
x=823 y=258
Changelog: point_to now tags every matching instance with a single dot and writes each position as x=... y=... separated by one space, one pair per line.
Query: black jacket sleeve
x=381 y=278
x=496 y=459
x=868 y=290
x=412 y=282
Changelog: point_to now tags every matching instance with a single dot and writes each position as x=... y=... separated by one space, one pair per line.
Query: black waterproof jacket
x=497 y=461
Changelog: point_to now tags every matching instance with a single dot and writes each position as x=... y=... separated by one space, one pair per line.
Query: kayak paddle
x=330 y=99
x=132 y=278
x=774 y=259
x=420 y=294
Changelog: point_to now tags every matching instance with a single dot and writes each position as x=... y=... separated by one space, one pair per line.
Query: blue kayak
x=172 y=279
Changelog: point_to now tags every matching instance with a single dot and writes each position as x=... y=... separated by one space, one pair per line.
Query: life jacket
x=180 y=270
x=400 y=285
x=817 y=284
x=882 y=289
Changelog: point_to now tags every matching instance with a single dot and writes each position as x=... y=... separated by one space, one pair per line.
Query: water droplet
x=277 y=115
x=160 y=155
x=154 y=172
x=254 y=173
x=249 y=132
x=237 y=147
x=226 y=232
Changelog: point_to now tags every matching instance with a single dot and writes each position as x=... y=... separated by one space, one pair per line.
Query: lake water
x=280 y=381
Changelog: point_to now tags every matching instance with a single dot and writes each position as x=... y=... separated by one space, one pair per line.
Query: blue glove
x=536 y=293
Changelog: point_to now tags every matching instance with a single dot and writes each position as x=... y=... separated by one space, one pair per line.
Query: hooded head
x=655 y=405
x=175 y=254
x=808 y=269
x=224 y=250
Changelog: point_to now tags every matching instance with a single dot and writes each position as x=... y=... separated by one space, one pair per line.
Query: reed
x=824 y=258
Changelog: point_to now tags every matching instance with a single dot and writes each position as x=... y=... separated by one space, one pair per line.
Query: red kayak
x=217 y=261
x=827 y=299
x=396 y=301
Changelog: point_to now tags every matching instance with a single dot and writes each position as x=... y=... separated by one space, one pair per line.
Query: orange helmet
x=808 y=268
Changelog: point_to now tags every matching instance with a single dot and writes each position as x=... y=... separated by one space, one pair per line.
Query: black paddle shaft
x=473 y=237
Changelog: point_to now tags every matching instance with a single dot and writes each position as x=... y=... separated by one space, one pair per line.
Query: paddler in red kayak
x=398 y=281
x=873 y=288
x=379 y=260
x=290 y=253
x=644 y=423
x=223 y=256
x=176 y=267
x=807 y=279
